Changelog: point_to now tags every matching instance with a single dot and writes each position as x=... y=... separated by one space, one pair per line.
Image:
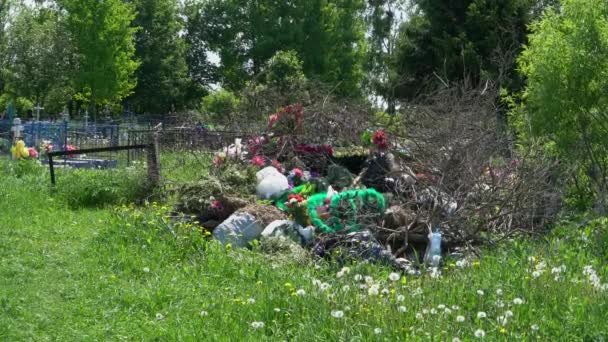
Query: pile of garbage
x=278 y=190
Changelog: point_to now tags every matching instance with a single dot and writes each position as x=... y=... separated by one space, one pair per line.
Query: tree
x=162 y=78
x=38 y=54
x=470 y=40
x=201 y=71
x=383 y=18
x=566 y=99
x=219 y=107
x=4 y=9
x=328 y=37
x=103 y=38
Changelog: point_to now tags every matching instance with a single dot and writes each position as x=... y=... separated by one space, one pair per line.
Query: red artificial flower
x=380 y=140
x=258 y=161
x=296 y=197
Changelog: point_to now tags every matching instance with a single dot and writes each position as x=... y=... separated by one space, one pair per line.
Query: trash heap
x=287 y=194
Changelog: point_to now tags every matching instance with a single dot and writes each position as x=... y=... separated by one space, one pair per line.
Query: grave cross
x=17 y=129
x=38 y=109
x=86 y=118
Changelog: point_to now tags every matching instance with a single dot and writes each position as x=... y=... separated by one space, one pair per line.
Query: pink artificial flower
x=298 y=173
x=216 y=205
x=258 y=161
x=33 y=152
x=277 y=165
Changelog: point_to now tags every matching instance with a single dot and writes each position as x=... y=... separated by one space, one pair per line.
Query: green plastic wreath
x=354 y=200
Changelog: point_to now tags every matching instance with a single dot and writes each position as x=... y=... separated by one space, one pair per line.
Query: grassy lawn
x=125 y=273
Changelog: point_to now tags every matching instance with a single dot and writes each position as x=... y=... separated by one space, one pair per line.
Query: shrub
x=220 y=107
x=96 y=188
x=21 y=168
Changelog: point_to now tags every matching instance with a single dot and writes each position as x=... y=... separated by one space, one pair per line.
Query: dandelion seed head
x=402 y=309
x=358 y=277
x=480 y=292
x=300 y=292
x=481 y=315
x=535 y=327
x=337 y=314
x=250 y=301
x=159 y=316
x=499 y=292
x=518 y=301
x=480 y=333
x=508 y=313
x=204 y=313
x=394 y=276
x=459 y=319
x=146 y=270
x=400 y=298
x=257 y=325
x=377 y=331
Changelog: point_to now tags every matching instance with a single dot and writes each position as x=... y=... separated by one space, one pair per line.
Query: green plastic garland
x=355 y=199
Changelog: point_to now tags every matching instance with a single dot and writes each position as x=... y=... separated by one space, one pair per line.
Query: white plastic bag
x=239 y=230
x=271 y=183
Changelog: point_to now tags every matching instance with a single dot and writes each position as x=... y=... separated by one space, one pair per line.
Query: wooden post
x=52 y=170
x=153 y=157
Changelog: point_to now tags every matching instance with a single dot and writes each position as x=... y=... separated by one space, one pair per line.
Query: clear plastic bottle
x=433 y=251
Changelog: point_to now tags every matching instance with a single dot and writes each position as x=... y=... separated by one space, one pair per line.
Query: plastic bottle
x=433 y=252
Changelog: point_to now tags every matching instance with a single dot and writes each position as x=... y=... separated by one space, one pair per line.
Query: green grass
x=126 y=273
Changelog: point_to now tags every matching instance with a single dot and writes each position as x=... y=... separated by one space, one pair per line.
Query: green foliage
x=328 y=37
x=383 y=19
x=220 y=107
x=97 y=188
x=284 y=71
x=103 y=38
x=564 y=101
x=462 y=40
x=40 y=53
x=22 y=105
x=162 y=77
x=24 y=168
